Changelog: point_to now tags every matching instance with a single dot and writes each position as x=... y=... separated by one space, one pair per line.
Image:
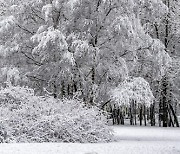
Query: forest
x=71 y=68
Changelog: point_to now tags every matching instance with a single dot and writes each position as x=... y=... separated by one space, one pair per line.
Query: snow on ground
x=135 y=133
x=131 y=140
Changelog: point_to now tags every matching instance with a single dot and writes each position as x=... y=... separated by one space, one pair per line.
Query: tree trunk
x=62 y=89
x=175 y=117
x=170 y=118
x=131 y=116
x=166 y=25
x=163 y=114
x=122 y=118
x=144 y=115
x=152 y=115
x=113 y=116
x=135 y=114
x=140 y=116
x=92 y=92
x=118 y=116
x=54 y=90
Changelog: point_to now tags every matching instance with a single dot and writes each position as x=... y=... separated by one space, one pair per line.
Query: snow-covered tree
x=87 y=47
x=135 y=89
x=166 y=30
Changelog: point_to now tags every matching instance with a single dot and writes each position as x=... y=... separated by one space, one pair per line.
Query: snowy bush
x=29 y=118
x=137 y=89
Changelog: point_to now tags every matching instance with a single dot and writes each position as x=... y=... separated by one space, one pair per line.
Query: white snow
x=131 y=140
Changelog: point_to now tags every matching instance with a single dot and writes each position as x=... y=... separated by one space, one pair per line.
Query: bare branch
x=23 y=28
x=35 y=62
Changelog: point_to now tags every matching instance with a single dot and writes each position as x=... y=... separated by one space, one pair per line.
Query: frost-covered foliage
x=10 y=75
x=151 y=10
x=136 y=89
x=83 y=46
x=51 y=44
x=6 y=24
x=25 y=117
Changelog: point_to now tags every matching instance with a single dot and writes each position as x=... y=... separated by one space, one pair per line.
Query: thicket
x=25 y=117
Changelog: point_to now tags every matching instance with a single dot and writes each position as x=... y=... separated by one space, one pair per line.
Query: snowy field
x=130 y=140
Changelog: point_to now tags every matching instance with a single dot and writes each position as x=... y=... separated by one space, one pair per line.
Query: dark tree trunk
x=175 y=117
x=118 y=116
x=163 y=106
x=122 y=118
x=140 y=115
x=166 y=26
x=113 y=117
x=152 y=115
x=75 y=86
x=131 y=116
x=54 y=90
x=135 y=120
x=170 y=123
x=144 y=115
x=92 y=92
x=156 y=29
x=63 y=89
x=165 y=115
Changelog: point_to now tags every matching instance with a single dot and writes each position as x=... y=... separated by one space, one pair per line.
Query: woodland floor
x=130 y=140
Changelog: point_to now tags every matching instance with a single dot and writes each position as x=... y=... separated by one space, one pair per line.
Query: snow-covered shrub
x=30 y=118
x=137 y=89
